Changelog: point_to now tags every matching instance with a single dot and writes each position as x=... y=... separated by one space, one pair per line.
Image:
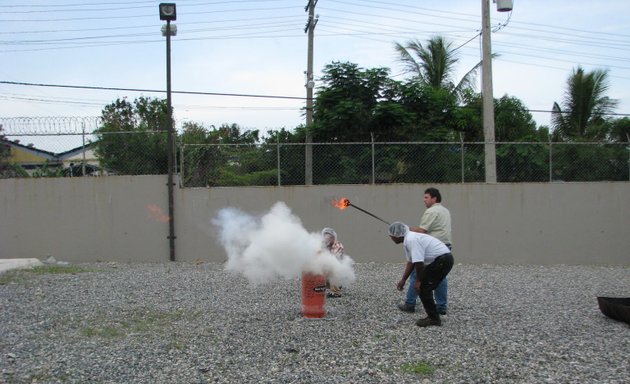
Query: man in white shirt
x=436 y=221
x=431 y=260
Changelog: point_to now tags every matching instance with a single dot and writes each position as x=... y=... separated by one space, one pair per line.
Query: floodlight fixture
x=168 y=11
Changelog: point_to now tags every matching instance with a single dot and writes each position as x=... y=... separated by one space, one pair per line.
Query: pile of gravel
x=196 y=323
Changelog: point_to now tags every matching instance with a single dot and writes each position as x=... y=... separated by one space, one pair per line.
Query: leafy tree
x=433 y=65
x=468 y=118
x=5 y=150
x=47 y=171
x=7 y=168
x=248 y=162
x=513 y=121
x=620 y=130
x=239 y=160
x=582 y=115
x=355 y=104
x=201 y=161
x=519 y=162
x=133 y=137
x=432 y=112
x=620 y=133
x=575 y=162
x=289 y=144
x=5 y=153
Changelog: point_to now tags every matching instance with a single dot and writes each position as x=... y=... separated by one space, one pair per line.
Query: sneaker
x=333 y=295
x=441 y=311
x=427 y=322
x=407 y=307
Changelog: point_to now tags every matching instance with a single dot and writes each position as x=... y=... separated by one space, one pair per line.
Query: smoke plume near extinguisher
x=276 y=245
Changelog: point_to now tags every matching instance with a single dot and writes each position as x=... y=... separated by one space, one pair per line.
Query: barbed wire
x=49 y=125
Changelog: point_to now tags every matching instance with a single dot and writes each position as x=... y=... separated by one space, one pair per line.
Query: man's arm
x=419 y=270
x=426 y=222
x=408 y=268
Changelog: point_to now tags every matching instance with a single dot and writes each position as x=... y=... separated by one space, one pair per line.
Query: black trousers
x=433 y=275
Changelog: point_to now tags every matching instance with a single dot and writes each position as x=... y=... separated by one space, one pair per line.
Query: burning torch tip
x=342 y=203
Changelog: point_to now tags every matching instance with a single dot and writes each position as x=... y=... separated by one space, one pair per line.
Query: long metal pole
x=369 y=213
x=487 y=96
x=170 y=146
x=308 y=153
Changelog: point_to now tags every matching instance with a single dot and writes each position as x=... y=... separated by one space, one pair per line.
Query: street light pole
x=168 y=13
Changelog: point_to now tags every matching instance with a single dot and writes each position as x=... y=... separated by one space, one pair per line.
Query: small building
x=80 y=161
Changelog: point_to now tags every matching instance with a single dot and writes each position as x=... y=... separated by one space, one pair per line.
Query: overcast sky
x=258 y=47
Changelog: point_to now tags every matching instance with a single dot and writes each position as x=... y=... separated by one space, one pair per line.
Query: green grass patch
x=137 y=322
x=419 y=368
x=104 y=332
x=57 y=269
x=18 y=276
x=12 y=277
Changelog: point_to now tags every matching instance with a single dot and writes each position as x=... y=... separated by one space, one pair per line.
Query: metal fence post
x=461 y=146
x=550 y=161
x=278 y=158
x=373 y=161
x=181 y=165
x=82 y=149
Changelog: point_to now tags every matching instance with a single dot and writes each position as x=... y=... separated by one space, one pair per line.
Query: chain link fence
x=72 y=146
x=62 y=147
x=381 y=163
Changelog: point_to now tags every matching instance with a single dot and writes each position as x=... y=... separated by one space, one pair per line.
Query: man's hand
x=400 y=285
x=417 y=285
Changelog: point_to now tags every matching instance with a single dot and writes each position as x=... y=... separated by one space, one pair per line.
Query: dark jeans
x=440 y=294
x=432 y=275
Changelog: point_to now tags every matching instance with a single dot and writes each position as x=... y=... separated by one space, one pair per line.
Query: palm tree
x=433 y=65
x=584 y=108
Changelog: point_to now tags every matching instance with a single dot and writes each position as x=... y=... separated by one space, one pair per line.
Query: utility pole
x=487 y=96
x=310 y=84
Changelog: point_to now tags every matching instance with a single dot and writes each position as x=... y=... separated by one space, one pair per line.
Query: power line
x=151 y=90
x=247 y=21
x=84 y=18
x=84 y=42
x=218 y=94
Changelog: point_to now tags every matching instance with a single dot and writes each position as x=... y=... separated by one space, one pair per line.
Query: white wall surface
x=123 y=218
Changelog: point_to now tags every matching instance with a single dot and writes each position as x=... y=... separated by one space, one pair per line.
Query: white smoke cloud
x=276 y=245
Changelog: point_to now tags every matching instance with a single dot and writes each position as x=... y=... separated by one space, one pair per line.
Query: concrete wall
x=124 y=218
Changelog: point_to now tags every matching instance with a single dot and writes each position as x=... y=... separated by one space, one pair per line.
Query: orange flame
x=343 y=203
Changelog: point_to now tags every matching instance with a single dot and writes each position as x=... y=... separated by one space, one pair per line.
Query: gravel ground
x=196 y=323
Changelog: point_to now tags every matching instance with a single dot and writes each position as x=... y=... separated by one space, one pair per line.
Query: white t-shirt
x=422 y=248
